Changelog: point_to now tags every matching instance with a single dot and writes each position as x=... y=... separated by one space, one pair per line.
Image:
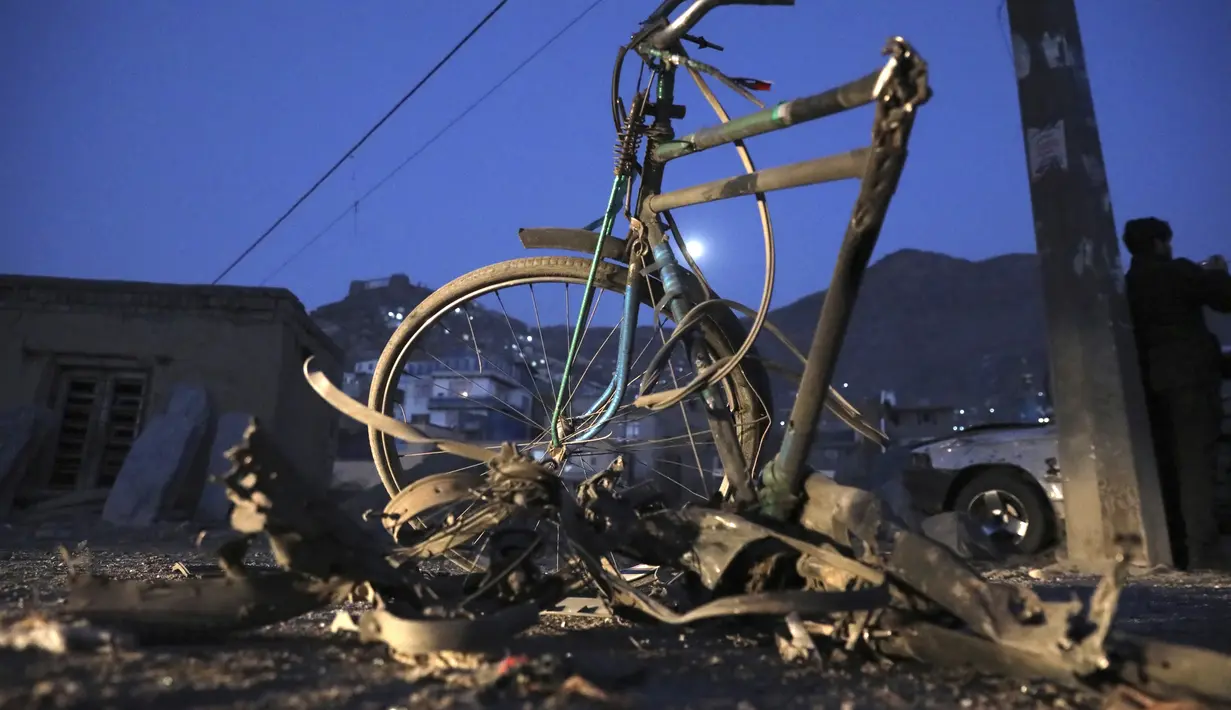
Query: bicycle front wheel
x=482 y=358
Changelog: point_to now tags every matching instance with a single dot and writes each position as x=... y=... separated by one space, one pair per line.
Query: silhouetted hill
x=360 y=323
x=938 y=328
x=932 y=328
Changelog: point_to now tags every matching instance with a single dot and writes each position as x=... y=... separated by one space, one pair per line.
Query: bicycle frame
x=897 y=89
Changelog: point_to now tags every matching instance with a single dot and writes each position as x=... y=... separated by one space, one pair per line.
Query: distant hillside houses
x=933 y=329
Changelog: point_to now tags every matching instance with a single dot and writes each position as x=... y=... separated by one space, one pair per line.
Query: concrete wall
x=238 y=361
x=306 y=426
x=239 y=343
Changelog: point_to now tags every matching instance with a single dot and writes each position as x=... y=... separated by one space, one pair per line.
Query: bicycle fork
x=726 y=438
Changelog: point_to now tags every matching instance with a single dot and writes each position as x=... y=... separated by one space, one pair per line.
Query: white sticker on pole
x=1056 y=51
x=1021 y=57
x=1094 y=170
x=1045 y=149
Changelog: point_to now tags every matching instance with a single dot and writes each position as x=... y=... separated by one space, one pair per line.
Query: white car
x=1005 y=476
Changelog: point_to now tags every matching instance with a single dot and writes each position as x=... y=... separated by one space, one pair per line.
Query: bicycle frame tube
x=671 y=274
x=786 y=114
x=615 y=390
x=618 y=186
x=653 y=201
x=898 y=89
x=903 y=87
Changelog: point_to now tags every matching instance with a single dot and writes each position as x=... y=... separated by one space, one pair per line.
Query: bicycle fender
x=582 y=241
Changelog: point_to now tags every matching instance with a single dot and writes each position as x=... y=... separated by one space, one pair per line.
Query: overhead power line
x=414 y=89
x=448 y=126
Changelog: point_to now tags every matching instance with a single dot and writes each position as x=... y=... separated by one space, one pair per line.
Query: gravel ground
x=301 y=664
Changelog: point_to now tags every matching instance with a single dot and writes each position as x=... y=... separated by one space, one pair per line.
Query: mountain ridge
x=933 y=328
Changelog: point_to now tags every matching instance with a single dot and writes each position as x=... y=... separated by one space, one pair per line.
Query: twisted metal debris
x=842 y=569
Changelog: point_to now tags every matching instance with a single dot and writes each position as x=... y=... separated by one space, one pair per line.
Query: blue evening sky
x=155 y=139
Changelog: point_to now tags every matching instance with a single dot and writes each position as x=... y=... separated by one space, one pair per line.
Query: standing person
x=1181 y=362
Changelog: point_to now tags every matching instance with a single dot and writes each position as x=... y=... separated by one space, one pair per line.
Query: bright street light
x=695 y=248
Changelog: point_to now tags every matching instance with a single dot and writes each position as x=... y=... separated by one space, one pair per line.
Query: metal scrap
x=196 y=609
x=56 y=636
x=307 y=531
x=468 y=635
x=797 y=645
x=325 y=558
x=843 y=564
x=843 y=572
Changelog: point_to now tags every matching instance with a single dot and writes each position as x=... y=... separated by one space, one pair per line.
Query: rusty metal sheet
x=307 y=530
x=866 y=579
x=580 y=606
x=388 y=425
x=426 y=493
x=411 y=636
x=191 y=610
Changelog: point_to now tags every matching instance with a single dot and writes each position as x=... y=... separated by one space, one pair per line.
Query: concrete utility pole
x=1106 y=454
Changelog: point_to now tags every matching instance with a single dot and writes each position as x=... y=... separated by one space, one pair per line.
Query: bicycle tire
x=722 y=330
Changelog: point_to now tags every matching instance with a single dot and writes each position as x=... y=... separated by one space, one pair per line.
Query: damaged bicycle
x=550 y=497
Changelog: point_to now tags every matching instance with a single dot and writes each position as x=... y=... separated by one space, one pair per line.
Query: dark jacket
x=1168 y=298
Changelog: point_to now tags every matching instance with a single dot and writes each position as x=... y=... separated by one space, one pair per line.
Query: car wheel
x=1010 y=510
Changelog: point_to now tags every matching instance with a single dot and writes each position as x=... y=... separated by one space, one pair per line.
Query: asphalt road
x=302 y=663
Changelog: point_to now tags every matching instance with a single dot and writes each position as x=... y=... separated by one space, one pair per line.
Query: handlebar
x=673 y=32
x=657 y=32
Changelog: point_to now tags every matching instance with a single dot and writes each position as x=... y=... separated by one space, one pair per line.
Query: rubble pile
x=842 y=576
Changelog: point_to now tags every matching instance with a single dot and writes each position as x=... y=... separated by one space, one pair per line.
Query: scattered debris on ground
x=842 y=581
x=53 y=636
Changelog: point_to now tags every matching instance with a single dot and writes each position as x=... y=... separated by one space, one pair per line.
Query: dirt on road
x=563 y=662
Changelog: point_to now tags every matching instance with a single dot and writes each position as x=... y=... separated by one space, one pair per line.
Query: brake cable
x=725 y=366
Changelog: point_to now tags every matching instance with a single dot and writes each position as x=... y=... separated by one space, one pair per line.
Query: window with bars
x=100 y=415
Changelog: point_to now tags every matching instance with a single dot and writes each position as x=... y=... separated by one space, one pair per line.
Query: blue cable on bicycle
x=618 y=189
x=614 y=397
x=626 y=167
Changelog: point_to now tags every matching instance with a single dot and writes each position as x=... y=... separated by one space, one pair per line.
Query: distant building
x=104 y=355
x=488 y=403
x=481 y=399
x=920 y=423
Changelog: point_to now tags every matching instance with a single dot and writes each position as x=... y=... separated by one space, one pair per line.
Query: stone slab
x=161 y=457
x=24 y=434
x=214 y=506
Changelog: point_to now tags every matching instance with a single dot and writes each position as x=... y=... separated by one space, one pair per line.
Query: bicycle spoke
x=688 y=429
x=589 y=361
x=566 y=376
x=546 y=360
x=484 y=389
x=478 y=355
x=538 y=391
